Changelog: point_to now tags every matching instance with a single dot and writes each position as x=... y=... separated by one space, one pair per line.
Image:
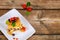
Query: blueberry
x=13 y=34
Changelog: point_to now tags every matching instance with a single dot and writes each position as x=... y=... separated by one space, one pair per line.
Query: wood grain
x=45 y=37
x=38 y=37
x=39 y=4
x=1 y=33
x=51 y=19
x=2 y=37
x=46 y=22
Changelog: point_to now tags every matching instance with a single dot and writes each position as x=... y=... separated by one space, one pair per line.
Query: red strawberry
x=14 y=18
x=29 y=9
x=24 y=6
x=11 y=19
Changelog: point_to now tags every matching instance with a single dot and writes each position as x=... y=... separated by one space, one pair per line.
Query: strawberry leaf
x=27 y=13
x=28 y=3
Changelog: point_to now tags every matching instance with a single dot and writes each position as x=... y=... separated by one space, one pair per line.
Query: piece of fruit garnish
x=7 y=22
x=13 y=34
x=15 y=18
x=29 y=9
x=15 y=38
x=12 y=19
x=23 y=29
x=24 y=6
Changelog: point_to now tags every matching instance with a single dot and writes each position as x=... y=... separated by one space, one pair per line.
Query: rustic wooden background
x=45 y=17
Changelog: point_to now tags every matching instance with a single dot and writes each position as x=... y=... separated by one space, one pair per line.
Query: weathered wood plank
x=38 y=37
x=51 y=19
x=45 y=37
x=1 y=33
x=2 y=37
x=47 y=4
x=51 y=13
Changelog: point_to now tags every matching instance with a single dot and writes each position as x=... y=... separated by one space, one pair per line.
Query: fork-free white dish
x=20 y=35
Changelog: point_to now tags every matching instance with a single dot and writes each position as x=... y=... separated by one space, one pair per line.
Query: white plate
x=20 y=35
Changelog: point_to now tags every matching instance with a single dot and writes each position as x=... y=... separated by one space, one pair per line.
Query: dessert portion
x=14 y=24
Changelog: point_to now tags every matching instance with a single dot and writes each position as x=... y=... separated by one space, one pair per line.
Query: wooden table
x=45 y=17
